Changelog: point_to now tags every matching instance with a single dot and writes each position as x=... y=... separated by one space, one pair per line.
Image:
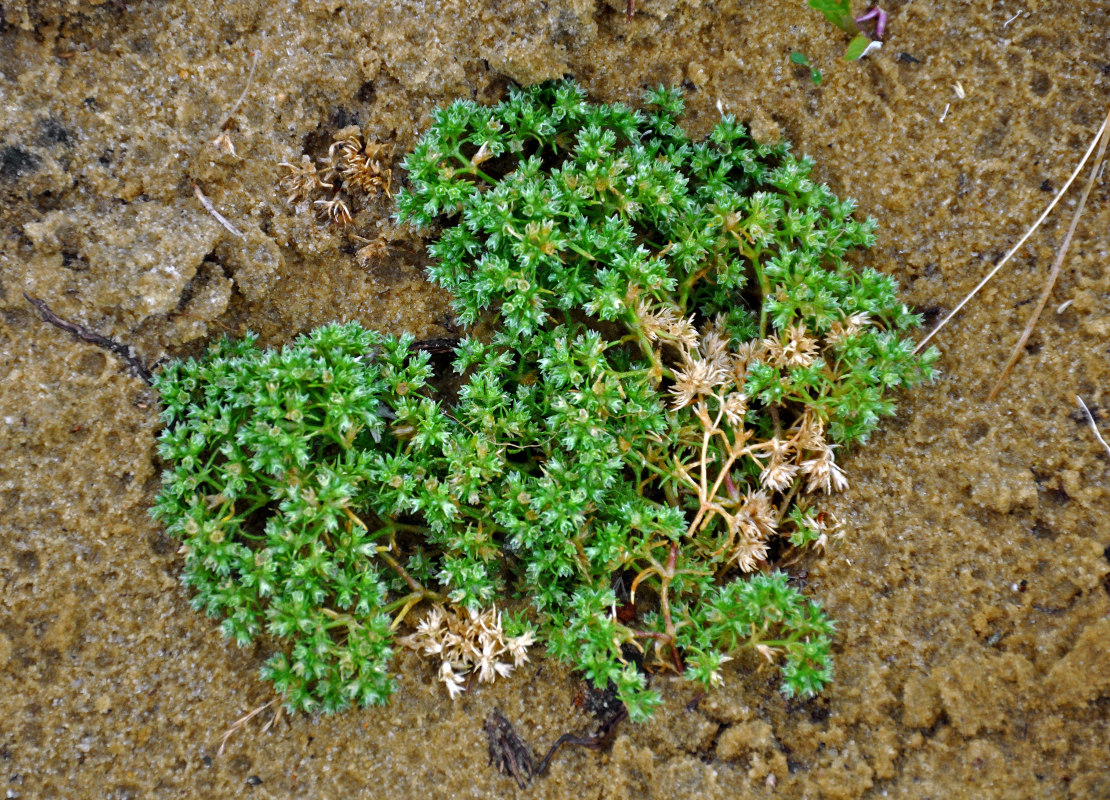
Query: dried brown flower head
x=352 y=170
x=793 y=348
x=839 y=331
x=360 y=166
x=334 y=210
x=666 y=323
x=467 y=642
x=302 y=181
x=823 y=472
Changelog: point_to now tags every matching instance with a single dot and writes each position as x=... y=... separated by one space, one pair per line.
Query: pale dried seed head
x=649 y=319
x=809 y=432
x=468 y=641
x=778 y=476
x=841 y=330
x=697 y=377
x=760 y=513
x=685 y=333
x=736 y=406
x=664 y=322
x=798 y=350
x=748 y=553
x=768 y=652
x=302 y=180
x=335 y=210
x=824 y=473
x=451 y=679
x=518 y=647
x=714 y=348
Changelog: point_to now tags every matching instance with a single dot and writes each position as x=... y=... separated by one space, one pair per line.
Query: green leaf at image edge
x=856 y=47
x=837 y=12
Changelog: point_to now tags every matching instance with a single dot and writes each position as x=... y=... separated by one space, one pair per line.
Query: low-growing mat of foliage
x=680 y=347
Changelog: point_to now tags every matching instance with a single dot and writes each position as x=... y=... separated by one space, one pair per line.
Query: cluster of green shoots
x=679 y=349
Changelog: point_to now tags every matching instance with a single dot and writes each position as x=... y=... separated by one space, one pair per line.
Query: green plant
x=270 y=456
x=814 y=73
x=679 y=348
x=839 y=13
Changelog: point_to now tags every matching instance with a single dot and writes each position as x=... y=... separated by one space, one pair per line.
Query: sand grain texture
x=971 y=592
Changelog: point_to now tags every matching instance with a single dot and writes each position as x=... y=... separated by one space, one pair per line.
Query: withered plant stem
x=85 y=335
x=921 y=345
x=1055 y=273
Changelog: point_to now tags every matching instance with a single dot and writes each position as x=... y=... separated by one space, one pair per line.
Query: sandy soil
x=971 y=592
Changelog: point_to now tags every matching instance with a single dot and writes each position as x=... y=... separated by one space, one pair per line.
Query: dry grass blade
x=921 y=345
x=211 y=209
x=1091 y=421
x=239 y=723
x=243 y=94
x=1055 y=273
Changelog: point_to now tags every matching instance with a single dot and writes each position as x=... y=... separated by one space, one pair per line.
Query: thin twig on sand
x=1091 y=421
x=1094 y=142
x=211 y=209
x=1055 y=273
x=243 y=720
x=92 y=337
x=242 y=96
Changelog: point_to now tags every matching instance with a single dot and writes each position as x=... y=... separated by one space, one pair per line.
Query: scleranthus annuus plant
x=680 y=347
